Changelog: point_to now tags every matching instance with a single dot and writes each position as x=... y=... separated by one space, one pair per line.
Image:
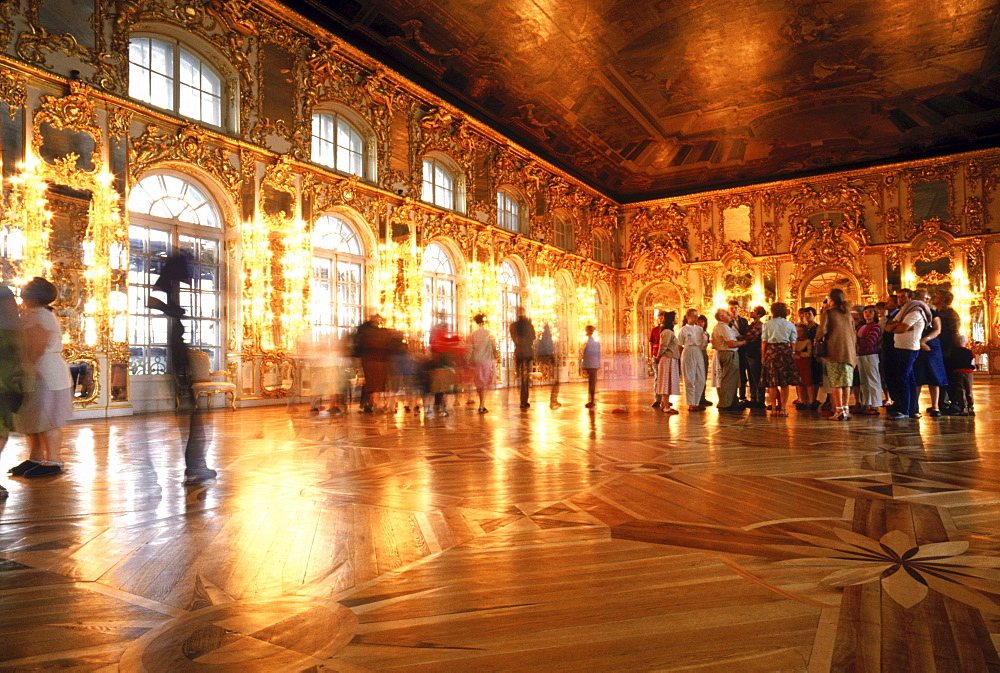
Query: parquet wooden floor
x=547 y=540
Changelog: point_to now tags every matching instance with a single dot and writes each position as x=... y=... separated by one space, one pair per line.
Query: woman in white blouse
x=693 y=340
x=779 y=372
x=48 y=402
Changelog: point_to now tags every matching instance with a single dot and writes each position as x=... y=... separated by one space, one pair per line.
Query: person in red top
x=654 y=349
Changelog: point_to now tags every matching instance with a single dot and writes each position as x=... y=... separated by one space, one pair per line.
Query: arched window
x=338 y=286
x=510 y=299
x=167 y=214
x=508 y=211
x=440 y=283
x=168 y=74
x=441 y=184
x=338 y=143
x=602 y=249
x=564 y=235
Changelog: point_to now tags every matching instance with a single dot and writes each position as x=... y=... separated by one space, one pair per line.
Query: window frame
x=448 y=167
x=352 y=122
x=178 y=46
x=602 y=248
x=432 y=279
x=175 y=229
x=563 y=233
x=507 y=197
x=336 y=257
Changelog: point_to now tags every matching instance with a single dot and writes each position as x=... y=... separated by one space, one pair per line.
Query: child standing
x=802 y=350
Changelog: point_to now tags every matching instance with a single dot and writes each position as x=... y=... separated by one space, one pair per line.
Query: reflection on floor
x=555 y=540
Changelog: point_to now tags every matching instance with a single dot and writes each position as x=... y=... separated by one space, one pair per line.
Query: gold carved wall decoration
x=975 y=214
x=658 y=230
x=13 y=91
x=75 y=113
x=931 y=195
x=34 y=43
x=119 y=122
x=890 y=225
x=191 y=144
x=933 y=251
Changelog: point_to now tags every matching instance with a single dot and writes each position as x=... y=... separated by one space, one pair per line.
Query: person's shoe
x=43 y=470
x=696 y=409
x=656 y=405
x=814 y=405
x=19 y=470
x=525 y=406
x=705 y=403
x=619 y=410
x=735 y=407
x=554 y=405
x=670 y=410
x=962 y=413
x=483 y=410
x=199 y=475
x=870 y=412
x=429 y=414
x=896 y=416
x=934 y=413
x=589 y=405
x=914 y=415
x=970 y=412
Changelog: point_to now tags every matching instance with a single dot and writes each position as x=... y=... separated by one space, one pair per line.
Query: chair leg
x=232 y=400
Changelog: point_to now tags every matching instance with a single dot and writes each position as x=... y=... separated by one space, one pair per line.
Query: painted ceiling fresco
x=646 y=98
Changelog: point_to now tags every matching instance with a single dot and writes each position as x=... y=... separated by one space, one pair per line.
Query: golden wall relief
x=191 y=144
x=13 y=91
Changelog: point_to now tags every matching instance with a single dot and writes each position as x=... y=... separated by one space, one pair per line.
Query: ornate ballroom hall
x=589 y=162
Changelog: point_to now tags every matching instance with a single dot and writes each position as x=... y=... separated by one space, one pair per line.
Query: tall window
x=563 y=233
x=337 y=144
x=510 y=300
x=508 y=211
x=439 y=185
x=439 y=288
x=165 y=73
x=602 y=249
x=168 y=214
x=338 y=289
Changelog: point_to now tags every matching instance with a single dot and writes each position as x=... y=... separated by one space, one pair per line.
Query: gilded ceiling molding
x=13 y=91
x=191 y=144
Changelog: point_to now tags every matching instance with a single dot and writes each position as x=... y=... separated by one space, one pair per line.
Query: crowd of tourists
x=880 y=356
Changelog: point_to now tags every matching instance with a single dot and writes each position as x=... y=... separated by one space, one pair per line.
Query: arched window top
x=564 y=234
x=509 y=210
x=173 y=198
x=173 y=76
x=437 y=260
x=338 y=141
x=441 y=183
x=336 y=233
x=602 y=248
x=509 y=275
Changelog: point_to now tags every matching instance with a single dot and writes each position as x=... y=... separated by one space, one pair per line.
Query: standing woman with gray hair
x=10 y=366
x=48 y=400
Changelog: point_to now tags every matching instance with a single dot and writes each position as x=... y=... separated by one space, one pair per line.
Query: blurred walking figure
x=176 y=270
x=482 y=356
x=546 y=354
x=11 y=371
x=590 y=357
x=48 y=388
x=371 y=347
x=522 y=333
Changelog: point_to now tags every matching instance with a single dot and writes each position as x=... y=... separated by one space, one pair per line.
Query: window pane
x=161 y=92
x=190 y=69
x=161 y=57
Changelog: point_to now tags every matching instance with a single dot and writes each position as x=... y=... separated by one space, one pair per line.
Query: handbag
x=819 y=348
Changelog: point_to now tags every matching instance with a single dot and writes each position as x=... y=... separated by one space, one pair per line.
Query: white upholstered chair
x=205 y=382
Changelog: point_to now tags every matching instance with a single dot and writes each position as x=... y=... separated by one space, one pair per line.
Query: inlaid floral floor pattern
x=547 y=540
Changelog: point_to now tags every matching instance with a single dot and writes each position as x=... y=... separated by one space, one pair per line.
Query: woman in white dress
x=48 y=400
x=693 y=340
x=668 y=379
